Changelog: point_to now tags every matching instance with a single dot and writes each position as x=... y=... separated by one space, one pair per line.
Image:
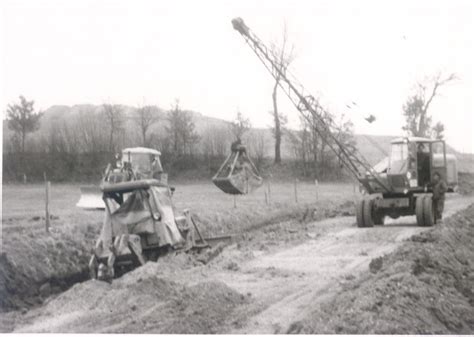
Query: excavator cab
x=238 y=174
x=145 y=162
x=136 y=163
x=414 y=161
x=409 y=177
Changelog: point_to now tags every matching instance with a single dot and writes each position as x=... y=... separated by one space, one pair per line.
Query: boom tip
x=240 y=26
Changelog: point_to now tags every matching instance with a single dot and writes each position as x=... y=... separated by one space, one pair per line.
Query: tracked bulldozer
x=238 y=174
x=141 y=223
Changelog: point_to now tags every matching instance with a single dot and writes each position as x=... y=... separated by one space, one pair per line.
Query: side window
x=437 y=149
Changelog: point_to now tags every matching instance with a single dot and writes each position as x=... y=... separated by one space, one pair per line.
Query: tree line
x=79 y=147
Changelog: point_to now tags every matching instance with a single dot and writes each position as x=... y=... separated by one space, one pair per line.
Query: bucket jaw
x=238 y=174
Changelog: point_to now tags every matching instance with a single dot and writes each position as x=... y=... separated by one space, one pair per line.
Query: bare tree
x=301 y=142
x=215 y=142
x=89 y=128
x=221 y=141
x=415 y=109
x=345 y=135
x=240 y=126
x=57 y=142
x=208 y=141
x=257 y=146
x=181 y=130
x=145 y=117
x=438 y=131
x=22 y=119
x=115 y=120
x=283 y=54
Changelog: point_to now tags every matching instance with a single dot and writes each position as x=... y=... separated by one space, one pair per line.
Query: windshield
x=398 y=158
x=141 y=162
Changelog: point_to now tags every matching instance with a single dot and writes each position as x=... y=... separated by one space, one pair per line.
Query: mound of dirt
x=425 y=287
x=143 y=301
x=465 y=182
x=37 y=264
x=244 y=220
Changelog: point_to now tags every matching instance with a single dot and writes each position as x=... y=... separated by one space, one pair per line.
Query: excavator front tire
x=428 y=211
x=360 y=212
x=419 y=210
x=369 y=212
x=424 y=211
x=364 y=213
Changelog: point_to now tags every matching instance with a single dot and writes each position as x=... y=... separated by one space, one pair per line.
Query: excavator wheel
x=428 y=213
x=419 y=207
x=364 y=213
x=368 y=212
x=424 y=211
x=360 y=212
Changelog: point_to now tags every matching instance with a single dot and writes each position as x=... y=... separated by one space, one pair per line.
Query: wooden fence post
x=48 y=188
x=316 y=184
x=296 y=190
x=269 y=192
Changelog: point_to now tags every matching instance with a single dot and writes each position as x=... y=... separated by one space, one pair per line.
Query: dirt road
x=260 y=285
x=286 y=282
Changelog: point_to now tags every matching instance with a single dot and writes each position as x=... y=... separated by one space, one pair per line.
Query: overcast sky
x=130 y=52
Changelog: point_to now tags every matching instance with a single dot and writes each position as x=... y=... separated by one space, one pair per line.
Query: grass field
x=22 y=203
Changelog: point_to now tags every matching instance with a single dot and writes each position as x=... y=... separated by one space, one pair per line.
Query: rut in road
x=280 y=274
x=284 y=284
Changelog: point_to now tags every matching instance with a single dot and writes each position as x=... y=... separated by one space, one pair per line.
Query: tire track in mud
x=286 y=283
x=272 y=284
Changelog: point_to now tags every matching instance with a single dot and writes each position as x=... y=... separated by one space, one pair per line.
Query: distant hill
x=372 y=147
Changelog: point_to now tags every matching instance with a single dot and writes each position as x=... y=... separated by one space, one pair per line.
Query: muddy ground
x=35 y=264
x=425 y=287
x=318 y=273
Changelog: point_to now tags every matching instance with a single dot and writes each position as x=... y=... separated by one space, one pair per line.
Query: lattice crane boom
x=310 y=109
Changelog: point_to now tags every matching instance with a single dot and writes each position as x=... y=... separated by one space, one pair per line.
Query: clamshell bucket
x=238 y=175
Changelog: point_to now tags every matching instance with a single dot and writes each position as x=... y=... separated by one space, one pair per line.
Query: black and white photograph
x=237 y=167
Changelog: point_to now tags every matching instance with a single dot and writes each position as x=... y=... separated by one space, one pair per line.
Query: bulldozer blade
x=91 y=198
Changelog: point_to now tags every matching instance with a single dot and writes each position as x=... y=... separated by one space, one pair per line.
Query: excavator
x=141 y=223
x=401 y=185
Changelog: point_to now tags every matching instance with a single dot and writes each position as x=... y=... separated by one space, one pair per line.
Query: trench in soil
x=20 y=291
